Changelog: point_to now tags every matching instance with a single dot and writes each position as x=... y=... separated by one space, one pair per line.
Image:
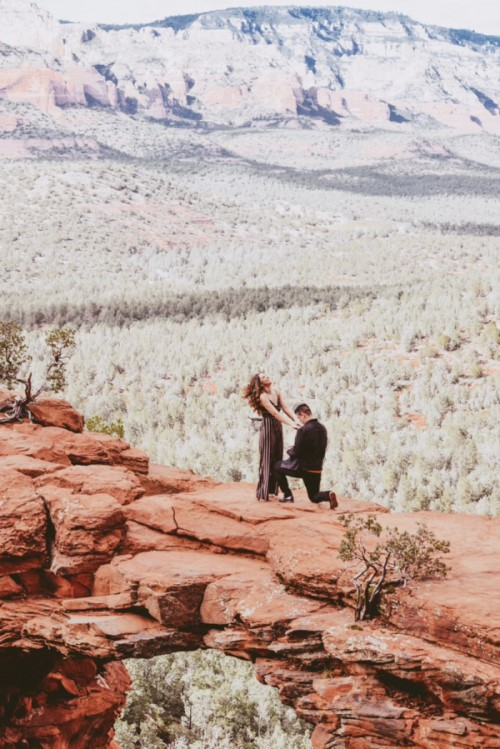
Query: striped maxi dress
x=271 y=450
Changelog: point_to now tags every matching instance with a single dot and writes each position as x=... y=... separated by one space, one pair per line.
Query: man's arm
x=298 y=447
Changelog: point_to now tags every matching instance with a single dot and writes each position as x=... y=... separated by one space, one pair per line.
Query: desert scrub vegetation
x=112 y=428
x=161 y=303
x=145 y=226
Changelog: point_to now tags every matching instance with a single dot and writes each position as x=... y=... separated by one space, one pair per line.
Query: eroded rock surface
x=105 y=557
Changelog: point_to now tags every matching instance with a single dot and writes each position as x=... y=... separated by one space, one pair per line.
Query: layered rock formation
x=104 y=557
x=266 y=65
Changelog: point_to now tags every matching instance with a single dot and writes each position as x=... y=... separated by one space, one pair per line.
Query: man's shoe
x=286 y=499
x=333 y=501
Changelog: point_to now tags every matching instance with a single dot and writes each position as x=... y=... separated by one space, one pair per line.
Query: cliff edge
x=104 y=556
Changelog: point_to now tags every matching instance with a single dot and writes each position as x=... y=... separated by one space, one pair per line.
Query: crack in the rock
x=175 y=520
x=50 y=534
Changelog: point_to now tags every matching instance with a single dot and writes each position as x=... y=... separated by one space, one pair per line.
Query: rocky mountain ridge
x=104 y=556
x=268 y=66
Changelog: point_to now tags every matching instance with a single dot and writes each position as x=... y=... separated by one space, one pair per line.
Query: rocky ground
x=104 y=556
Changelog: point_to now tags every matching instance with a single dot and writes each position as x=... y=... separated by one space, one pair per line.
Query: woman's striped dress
x=271 y=450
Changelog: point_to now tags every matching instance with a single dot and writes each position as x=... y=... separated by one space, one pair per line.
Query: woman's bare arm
x=286 y=408
x=266 y=402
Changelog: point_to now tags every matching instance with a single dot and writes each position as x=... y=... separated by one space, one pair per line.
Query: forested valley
x=186 y=266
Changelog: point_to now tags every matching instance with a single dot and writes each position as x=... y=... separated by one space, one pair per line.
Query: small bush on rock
x=388 y=558
x=113 y=428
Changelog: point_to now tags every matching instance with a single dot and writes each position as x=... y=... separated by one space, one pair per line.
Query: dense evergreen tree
x=205 y=700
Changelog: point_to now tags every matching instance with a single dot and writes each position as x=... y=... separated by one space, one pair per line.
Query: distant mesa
x=320 y=67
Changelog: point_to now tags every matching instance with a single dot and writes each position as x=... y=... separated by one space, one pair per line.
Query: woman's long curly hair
x=252 y=393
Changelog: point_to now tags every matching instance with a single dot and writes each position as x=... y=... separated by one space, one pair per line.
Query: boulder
x=9 y=587
x=23 y=524
x=87 y=529
x=56 y=413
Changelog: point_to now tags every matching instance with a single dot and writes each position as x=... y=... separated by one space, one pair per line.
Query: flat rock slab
x=122 y=453
x=169 y=567
x=58 y=445
x=256 y=600
x=170 y=584
x=141 y=537
x=28 y=466
x=217 y=528
x=115 y=481
x=99 y=603
x=155 y=511
x=165 y=480
x=238 y=500
x=32 y=441
x=52 y=444
x=114 y=626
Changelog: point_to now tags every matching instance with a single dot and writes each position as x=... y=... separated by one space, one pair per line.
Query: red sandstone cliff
x=104 y=557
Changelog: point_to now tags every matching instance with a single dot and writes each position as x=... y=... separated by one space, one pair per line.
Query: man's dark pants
x=311 y=480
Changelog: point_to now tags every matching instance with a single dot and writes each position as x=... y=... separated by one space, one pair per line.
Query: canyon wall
x=258 y=67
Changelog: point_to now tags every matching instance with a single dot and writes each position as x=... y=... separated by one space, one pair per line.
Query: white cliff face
x=336 y=65
x=25 y=24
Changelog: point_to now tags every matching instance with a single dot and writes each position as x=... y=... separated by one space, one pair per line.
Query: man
x=309 y=451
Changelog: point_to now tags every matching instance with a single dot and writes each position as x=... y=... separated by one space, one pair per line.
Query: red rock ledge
x=104 y=556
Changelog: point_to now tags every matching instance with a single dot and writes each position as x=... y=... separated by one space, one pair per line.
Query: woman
x=267 y=400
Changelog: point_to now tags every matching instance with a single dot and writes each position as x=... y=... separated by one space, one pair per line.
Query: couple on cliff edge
x=306 y=457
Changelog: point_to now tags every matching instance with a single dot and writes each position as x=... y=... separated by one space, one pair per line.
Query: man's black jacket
x=310 y=445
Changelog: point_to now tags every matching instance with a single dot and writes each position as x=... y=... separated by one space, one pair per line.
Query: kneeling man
x=306 y=459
